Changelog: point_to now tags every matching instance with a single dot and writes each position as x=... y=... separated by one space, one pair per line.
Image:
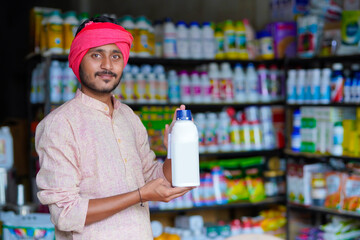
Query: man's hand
x=168 y=127
x=158 y=190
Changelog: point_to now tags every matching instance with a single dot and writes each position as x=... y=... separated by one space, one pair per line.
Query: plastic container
x=174 y=87
x=184 y=151
x=251 y=84
x=195 y=41
x=151 y=87
x=219 y=44
x=127 y=87
x=196 y=88
x=275 y=84
x=70 y=84
x=140 y=87
x=210 y=133
x=129 y=24
x=263 y=83
x=291 y=87
x=240 y=41
x=161 y=88
x=338 y=138
x=182 y=40
x=43 y=33
x=141 y=40
x=71 y=23
x=214 y=77
x=300 y=86
x=185 y=87
x=239 y=84
x=337 y=83
x=206 y=87
x=208 y=41
x=7 y=148
x=266 y=43
x=325 y=87
x=169 y=45
x=55 y=36
x=223 y=132
x=200 y=122
x=55 y=82
x=226 y=83
x=229 y=40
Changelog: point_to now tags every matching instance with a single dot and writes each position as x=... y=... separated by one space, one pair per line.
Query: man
x=96 y=167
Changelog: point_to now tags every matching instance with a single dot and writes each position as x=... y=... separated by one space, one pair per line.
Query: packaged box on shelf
x=309 y=129
x=350 y=32
x=284 y=35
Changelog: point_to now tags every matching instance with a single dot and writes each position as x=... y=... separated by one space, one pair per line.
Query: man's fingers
x=177 y=190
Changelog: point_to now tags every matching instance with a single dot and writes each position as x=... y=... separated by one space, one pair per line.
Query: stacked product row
x=318 y=185
x=326 y=130
x=229 y=181
x=323 y=86
x=205 y=84
x=228 y=131
x=271 y=221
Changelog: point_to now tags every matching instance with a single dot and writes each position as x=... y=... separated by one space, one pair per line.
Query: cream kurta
x=85 y=154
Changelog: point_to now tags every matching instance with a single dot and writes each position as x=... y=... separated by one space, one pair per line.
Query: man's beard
x=91 y=86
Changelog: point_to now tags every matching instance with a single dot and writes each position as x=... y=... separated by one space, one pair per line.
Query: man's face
x=101 y=68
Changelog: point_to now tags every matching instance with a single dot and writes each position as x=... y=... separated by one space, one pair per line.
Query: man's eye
x=96 y=55
x=117 y=57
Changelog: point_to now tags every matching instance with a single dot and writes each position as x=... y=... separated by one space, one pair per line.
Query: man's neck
x=102 y=97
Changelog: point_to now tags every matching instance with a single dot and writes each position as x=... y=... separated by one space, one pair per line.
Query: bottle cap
x=183 y=115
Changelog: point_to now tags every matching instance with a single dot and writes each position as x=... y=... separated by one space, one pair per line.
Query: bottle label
x=55 y=36
x=140 y=89
x=215 y=89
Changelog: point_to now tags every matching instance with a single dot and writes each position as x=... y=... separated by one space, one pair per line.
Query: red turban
x=96 y=34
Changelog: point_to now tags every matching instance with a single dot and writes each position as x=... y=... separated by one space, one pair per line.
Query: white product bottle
x=338 y=138
x=141 y=40
x=239 y=84
x=308 y=83
x=129 y=24
x=69 y=84
x=291 y=87
x=184 y=151
x=206 y=87
x=325 y=88
x=174 y=87
x=223 y=132
x=55 y=82
x=151 y=87
x=195 y=41
x=210 y=133
x=226 y=83
x=162 y=88
x=315 y=86
x=200 y=122
x=251 y=84
x=214 y=82
x=300 y=86
x=196 y=90
x=169 y=45
x=185 y=87
x=158 y=31
x=263 y=78
x=182 y=40
x=140 y=88
x=208 y=41
x=127 y=87
x=7 y=148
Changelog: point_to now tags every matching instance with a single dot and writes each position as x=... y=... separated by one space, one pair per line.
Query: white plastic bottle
x=206 y=87
x=208 y=41
x=251 y=84
x=315 y=86
x=184 y=151
x=69 y=84
x=169 y=45
x=182 y=40
x=226 y=83
x=140 y=87
x=7 y=148
x=55 y=33
x=239 y=84
x=263 y=83
x=129 y=24
x=214 y=77
x=325 y=87
x=151 y=87
x=291 y=87
x=196 y=89
x=127 y=87
x=185 y=87
x=195 y=41
x=161 y=88
x=158 y=31
x=71 y=24
x=55 y=82
x=174 y=87
x=300 y=86
x=141 y=40
x=308 y=82
x=200 y=122
x=223 y=132
x=210 y=134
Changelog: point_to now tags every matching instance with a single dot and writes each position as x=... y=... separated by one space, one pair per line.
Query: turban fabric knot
x=96 y=34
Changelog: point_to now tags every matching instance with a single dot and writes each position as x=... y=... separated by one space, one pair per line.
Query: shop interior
x=273 y=88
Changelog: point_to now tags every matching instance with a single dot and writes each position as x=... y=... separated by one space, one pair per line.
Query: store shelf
x=342 y=58
x=323 y=210
x=323 y=105
x=319 y=156
x=242 y=204
x=265 y=153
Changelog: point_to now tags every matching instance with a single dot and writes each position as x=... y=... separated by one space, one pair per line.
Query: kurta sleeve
x=59 y=176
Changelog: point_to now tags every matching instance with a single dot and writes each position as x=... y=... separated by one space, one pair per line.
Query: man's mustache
x=106 y=72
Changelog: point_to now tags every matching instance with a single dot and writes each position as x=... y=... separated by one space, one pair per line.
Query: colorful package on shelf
x=309 y=31
x=350 y=32
x=351 y=198
x=341 y=228
x=334 y=189
x=274 y=221
x=235 y=179
x=331 y=39
x=253 y=169
x=284 y=35
x=279 y=125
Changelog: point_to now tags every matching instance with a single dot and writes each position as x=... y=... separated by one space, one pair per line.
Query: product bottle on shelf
x=308 y=83
x=315 y=86
x=325 y=88
x=71 y=24
x=169 y=45
x=200 y=122
x=141 y=40
x=185 y=87
x=129 y=24
x=55 y=82
x=251 y=84
x=206 y=87
x=263 y=83
x=275 y=83
x=195 y=41
x=210 y=134
x=229 y=40
x=219 y=43
x=239 y=84
x=161 y=88
x=337 y=83
x=34 y=84
x=240 y=41
x=223 y=132
x=208 y=41
x=226 y=83
x=355 y=81
x=55 y=36
x=291 y=87
x=140 y=86
x=151 y=87
x=300 y=86
x=127 y=86
x=196 y=89
x=182 y=40
x=347 y=86
x=174 y=87
x=43 y=33
x=158 y=31
x=214 y=82
x=69 y=83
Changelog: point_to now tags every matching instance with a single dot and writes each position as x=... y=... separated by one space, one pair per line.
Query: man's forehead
x=106 y=47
